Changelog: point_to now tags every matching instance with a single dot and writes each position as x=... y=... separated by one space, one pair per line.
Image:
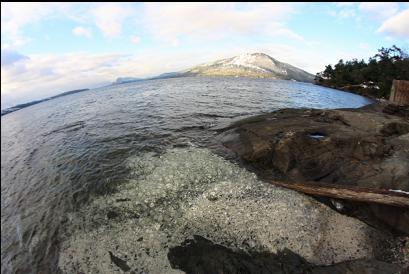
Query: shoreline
x=236 y=214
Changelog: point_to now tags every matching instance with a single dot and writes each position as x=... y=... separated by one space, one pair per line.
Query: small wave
x=67 y=128
x=209 y=115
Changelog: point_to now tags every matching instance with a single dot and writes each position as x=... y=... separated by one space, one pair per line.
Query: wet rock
x=363 y=147
x=200 y=255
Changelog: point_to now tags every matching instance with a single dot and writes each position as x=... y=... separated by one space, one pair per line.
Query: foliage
x=373 y=78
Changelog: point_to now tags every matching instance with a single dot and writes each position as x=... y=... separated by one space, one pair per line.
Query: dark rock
x=112 y=214
x=123 y=200
x=393 y=109
x=203 y=256
x=119 y=262
x=362 y=147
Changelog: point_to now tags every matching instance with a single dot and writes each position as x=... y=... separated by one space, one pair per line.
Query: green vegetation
x=373 y=78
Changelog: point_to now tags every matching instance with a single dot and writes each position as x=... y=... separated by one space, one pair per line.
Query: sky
x=49 y=48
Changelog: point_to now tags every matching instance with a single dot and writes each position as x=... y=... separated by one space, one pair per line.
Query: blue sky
x=49 y=48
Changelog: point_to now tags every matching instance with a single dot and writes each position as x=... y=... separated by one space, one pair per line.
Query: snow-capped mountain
x=246 y=65
x=252 y=65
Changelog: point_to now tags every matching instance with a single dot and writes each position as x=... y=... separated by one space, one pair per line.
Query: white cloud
x=171 y=21
x=110 y=17
x=44 y=75
x=15 y=16
x=397 y=25
x=135 y=39
x=18 y=15
x=379 y=10
x=10 y=57
x=38 y=76
x=82 y=31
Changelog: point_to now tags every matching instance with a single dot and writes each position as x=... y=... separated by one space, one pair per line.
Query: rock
x=203 y=256
x=247 y=215
x=393 y=109
x=112 y=214
x=361 y=147
x=119 y=262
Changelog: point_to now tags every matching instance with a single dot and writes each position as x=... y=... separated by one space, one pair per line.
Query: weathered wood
x=353 y=193
x=399 y=92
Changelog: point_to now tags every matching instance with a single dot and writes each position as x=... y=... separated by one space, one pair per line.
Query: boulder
x=366 y=147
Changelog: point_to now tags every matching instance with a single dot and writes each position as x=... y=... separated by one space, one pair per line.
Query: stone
x=363 y=147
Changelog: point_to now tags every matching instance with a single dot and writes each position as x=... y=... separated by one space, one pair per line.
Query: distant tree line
x=373 y=78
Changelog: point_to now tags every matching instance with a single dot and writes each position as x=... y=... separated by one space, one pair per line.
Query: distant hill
x=21 y=106
x=124 y=80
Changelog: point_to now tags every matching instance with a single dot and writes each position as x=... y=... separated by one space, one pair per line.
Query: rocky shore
x=191 y=191
x=365 y=148
x=191 y=210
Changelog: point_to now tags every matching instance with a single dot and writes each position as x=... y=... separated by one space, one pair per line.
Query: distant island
x=259 y=65
x=21 y=106
x=124 y=80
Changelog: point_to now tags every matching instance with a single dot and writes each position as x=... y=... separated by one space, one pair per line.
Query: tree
x=373 y=78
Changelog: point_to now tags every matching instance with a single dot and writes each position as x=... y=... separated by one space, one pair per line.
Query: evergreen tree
x=373 y=78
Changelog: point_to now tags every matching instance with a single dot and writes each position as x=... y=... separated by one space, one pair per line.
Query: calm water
x=55 y=153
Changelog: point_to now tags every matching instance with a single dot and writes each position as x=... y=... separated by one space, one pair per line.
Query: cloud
x=397 y=25
x=45 y=75
x=41 y=76
x=18 y=15
x=81 y=31
x=378 y=10
x=15 y=17
x=201 y=21
x=135 y=39
x=110 y=17
x=9 y=57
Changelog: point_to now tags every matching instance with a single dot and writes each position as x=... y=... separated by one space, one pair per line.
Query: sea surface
x=59 y=155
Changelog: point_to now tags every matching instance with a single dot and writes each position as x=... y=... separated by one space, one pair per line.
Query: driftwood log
x=353 y=193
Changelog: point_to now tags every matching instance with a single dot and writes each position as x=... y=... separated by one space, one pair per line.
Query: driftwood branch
x=353 y=193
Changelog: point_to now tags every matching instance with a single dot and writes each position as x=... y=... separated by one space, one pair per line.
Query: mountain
x=251 y=65
x=168 y=75
x=246 y=65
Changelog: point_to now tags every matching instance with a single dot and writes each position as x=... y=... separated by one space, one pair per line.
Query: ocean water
x=61 y=159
